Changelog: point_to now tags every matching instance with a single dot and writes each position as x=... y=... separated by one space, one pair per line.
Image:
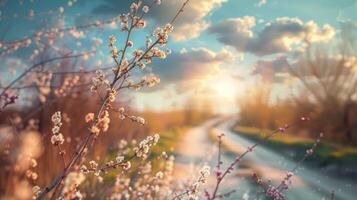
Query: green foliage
x=326 y=154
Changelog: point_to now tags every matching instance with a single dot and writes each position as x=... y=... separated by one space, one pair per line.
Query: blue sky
x=230 y=42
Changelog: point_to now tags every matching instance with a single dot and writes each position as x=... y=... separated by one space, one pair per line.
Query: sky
x=221 y=49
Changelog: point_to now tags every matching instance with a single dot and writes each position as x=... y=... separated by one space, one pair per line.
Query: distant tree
x=331 y=79
x=255 y=109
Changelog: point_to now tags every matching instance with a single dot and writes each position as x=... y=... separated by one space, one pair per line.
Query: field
x=178 y=99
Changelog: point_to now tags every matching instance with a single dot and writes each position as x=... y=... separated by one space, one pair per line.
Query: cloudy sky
x=221 y=48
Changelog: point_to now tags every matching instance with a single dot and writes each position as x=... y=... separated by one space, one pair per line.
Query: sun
x=225 y=89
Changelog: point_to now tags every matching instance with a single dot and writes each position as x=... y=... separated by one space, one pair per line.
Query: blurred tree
x=197 y=109
x=331 y=79
x=255 y=109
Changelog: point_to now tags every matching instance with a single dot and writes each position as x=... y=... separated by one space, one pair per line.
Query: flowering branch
x=276 y=192
x=230 y=168
x=101 y=121
x=66 y=56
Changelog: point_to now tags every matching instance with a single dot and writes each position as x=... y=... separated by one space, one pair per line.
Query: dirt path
x=197 y=149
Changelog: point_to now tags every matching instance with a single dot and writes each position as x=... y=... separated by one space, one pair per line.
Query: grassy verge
x=167 y=143
x=169 y=140
x=295 y=146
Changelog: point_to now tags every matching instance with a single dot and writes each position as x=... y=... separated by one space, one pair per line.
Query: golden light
x=226 y=89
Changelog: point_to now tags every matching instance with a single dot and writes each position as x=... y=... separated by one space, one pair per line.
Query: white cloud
x=271 y=69
x=279 y=36
x=188 y=25
x=261 y=3
x=194 y=30
x=188 y=68
x=191 y=23
x=235 y=32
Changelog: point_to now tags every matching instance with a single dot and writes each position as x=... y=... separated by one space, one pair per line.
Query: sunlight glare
x=226 y=89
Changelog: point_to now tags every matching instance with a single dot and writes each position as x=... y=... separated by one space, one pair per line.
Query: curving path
x=308 y=184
